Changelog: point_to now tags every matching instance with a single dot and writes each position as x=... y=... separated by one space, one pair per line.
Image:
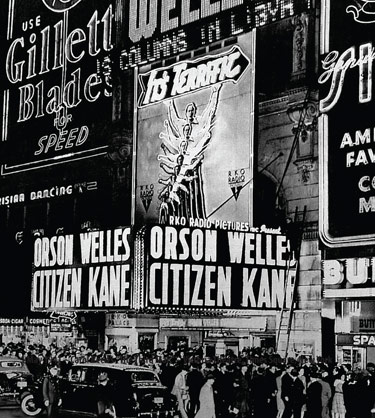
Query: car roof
x=9 y=358
x=116 y=366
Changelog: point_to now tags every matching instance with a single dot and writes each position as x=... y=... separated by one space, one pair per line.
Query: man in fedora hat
x=51 y=391
x=106 y=408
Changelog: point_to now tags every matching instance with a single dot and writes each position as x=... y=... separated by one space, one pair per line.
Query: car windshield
x=142 y=376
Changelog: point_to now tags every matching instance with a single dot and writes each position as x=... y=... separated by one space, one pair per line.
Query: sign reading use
x=205 y=269
x=90 y=271
x=347 y=182
x=56 y=97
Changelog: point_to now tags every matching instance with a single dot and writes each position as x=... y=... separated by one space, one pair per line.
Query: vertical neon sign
x=347 y=129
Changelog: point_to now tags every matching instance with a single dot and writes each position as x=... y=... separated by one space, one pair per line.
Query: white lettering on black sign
x=217 y=269
x=89 y=271
x=365 y=340
x=181 y=78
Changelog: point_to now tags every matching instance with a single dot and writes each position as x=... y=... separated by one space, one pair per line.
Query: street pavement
x=11 y=413
x=15 y=412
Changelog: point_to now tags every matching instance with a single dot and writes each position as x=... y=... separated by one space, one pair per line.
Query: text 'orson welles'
x=87 y=271
x=201 y=268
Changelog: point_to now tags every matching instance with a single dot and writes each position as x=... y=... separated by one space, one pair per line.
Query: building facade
x=190 y=129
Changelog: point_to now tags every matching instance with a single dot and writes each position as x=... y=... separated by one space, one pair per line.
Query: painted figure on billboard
x=184 y=143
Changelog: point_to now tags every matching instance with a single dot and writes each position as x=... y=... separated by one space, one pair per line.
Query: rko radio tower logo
x=60 y=6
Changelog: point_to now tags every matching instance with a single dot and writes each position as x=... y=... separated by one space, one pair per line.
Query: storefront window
x=178 y=343
x=232 y=348
x=355 y=356
x=146 y=342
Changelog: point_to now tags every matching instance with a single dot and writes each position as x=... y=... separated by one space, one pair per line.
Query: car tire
x=28 y=406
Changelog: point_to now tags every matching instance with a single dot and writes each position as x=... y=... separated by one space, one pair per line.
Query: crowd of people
x=278 y=391
x=256 y=383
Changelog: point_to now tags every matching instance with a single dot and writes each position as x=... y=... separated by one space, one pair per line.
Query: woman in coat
x=206 y=399
x=181 y=391
x=338 y=404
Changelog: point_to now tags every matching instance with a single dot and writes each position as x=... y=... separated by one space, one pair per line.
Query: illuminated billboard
x=56 y=82
x=195 y=268
x=158 y=29
x=194 y=160
x=346 y=131
x=351 y=278
x=89 y=271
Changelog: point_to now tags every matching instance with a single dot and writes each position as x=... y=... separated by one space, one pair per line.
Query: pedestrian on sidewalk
x=51 y=392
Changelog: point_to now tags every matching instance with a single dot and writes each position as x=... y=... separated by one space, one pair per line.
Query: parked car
x=32 y=402
x=15 y=378
x=137 y=391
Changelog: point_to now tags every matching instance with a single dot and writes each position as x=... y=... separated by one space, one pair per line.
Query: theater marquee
x=89 y=271
x=193 y=268
x=347 y=128
x=56 y=82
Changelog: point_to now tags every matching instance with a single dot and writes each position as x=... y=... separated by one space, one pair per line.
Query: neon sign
x=346 y=125
x=60 y=5
x=161 y=29
x=55 y=64
x=335 y=68
x=364 y=13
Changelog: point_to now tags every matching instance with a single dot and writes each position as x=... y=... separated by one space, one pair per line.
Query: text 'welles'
x=94 y=247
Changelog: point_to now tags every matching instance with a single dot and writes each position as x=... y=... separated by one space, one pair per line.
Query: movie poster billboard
x=194 y=138
x=88 y=271
x=56 y=81
x=347 y=182
x=196 y=268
